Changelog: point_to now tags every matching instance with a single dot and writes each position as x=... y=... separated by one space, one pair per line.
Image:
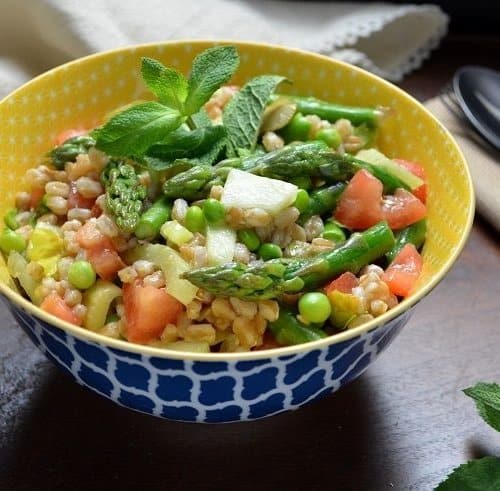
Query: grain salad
x=219 y=218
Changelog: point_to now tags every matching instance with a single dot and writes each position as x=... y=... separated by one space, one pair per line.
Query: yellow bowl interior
x=82 y=92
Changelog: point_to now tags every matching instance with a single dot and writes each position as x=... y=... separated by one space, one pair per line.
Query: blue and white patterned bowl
x=225 y=387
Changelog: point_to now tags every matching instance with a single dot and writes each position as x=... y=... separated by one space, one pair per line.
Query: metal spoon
x=477 y=91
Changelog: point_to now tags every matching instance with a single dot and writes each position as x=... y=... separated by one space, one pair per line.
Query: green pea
x=10 y=219
x=249 y=238
x=81 y=275
x=301 y=200
x=333 y=232
x=297 y=129
x=213 y=210
x=11 y=241
x=315 y=307
x=194 y=220
x=269 y=251
x=330 y=136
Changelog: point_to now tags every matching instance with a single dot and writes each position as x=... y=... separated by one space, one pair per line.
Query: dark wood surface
x=403 y=425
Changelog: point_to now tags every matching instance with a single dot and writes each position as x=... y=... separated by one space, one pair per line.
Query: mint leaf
x=167 y=84
x=201 y=118
x=477 y=475
x=184 y=144
x=487 y=399
x=242 y=115
x=132 y=131
x=209 y=71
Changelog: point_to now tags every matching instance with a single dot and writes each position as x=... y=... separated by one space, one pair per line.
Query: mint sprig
x=170 y=86
x=479 y=474
x=243 y=114
x=133 y=131
x=211 y=68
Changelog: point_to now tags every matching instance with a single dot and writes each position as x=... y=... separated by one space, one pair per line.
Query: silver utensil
x=474 y=94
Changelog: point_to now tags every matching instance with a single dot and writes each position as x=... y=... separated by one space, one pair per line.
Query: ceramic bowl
x=237 y=386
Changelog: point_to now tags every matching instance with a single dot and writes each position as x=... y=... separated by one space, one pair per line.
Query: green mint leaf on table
x=487 y=398
x=132 y=131
x=477 y=475
x=211 y=68
x=242 y=115
x=167 y=84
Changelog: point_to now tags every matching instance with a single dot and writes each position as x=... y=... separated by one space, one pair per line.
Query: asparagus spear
x=152 y=219
x=309 y=159
x=334 y=112
x=69 y=150
x=272 y=278
x=288 y=330
x=322 y=200
x=125 y=194
x=414 y=234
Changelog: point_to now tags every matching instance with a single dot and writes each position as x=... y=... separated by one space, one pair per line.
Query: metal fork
x=449 y=99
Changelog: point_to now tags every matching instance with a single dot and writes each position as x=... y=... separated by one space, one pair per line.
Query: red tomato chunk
x=147 y=311
x=403 y=272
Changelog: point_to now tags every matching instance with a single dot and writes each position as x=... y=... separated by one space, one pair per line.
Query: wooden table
x=403 y=425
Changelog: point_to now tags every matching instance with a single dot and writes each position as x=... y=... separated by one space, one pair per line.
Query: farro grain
x=271 y=141
x=72 y=297
x=216 y=192
x=57 y=204
x=80 y=311
x=200 y=332
x=56 y=188
x=24 y=218
x=88 y=188
x=244 y=308
x=313 y=227
x=155 y=279
x=80 y=214
x=286 y=217
x=241 y=253
x=269 y=309
x=257 y=217
x=223 y=309
x=111 y=330
x=107 y=226
x=48 y=218
x=169 y=334
x=128 y=274
x=179 y=210
x=23 y=200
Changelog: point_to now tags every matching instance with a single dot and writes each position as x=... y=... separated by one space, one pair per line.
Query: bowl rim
x=152 y=351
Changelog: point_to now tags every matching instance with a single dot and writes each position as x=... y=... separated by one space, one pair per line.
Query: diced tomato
x=362 y=205
x=36 y=196
x=403 y=272
x=66 y=134
x=76 y=200
x=55 y=305
x=106 y=262
x=359 y=205
x=147 y=311
x=90 y=237
x=402 y=209
x=419 y=171
x=101 y=251
x=344 y=283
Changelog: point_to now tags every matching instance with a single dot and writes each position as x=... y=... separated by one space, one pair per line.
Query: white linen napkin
x=390 y=40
